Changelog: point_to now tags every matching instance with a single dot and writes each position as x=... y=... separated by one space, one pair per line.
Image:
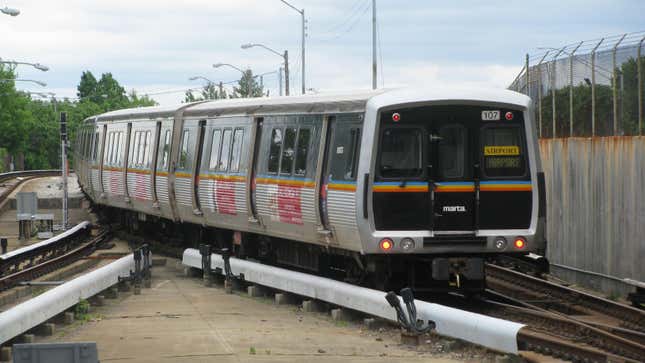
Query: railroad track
x=564 y=322
x=10 y=181
x=29 y=271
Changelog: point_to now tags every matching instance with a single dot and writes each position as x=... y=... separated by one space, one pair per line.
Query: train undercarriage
x=424 y=273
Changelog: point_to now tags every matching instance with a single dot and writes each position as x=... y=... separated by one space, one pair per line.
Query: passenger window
x=274 y=150
x=135 y=147
x=146 y=158
x=303 y=149
x=400 y=153
x=352 y=161
x=183 y=157
x=452 y=153
x=238 y=138
x=119 y=148
x=215 y=148
x=288 y=151
x=108 y=152
x=503 y=152
x=165 y=150
x=96 y=146
x=226 y=150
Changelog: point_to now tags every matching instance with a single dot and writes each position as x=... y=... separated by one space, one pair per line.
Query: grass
x=252 y=350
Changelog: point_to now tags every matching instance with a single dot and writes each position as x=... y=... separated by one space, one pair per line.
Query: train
x=384 y=188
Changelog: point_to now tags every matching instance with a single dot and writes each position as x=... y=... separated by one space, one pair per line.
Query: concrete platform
x=180 y=320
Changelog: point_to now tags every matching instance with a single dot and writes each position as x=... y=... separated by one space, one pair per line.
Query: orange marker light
x=386 y=244
x=519 y=243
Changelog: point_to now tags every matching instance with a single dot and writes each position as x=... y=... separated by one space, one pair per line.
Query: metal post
x=63 y=147
x=593 y=88
x=302 y=13
x=639 y=73
x=286 y=72
x=374 y=44
x=221 y=89
x=614 y=83
x=553 y=89
x=528 y=80
x=539 y=76
x=571 y=89
x=280 y=80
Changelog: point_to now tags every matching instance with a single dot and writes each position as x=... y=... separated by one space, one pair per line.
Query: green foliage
x=82 y=309
x=252 y=350
x=29 y=127
x=210 y=91
x=248 y=86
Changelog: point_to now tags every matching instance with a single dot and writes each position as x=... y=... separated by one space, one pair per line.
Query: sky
x=153 y=47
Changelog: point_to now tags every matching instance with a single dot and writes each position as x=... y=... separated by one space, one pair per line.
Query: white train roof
x=318 y=103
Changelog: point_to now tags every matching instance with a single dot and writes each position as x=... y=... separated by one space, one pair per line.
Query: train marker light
x=509 y=116
x=407 y=244
x=519 y=243
x=396 y=117
x=500 y=243
x=386 y=244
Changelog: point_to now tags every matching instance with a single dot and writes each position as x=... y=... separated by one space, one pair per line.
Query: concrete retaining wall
x=596 y=207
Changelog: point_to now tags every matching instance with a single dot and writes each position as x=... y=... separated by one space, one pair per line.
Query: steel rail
x=588 y=336
x=508 y=281
x=48 y=266
x=26 y=175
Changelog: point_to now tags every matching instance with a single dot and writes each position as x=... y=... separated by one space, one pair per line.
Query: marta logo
x=454 y=208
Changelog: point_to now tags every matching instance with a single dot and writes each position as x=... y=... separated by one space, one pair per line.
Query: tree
x=210 y=91
x=87 y=87
x=248 y=86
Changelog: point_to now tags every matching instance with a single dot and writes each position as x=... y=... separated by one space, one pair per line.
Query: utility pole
x=286 y=72
x=63 y=147
x=280 y=80
x=374 y=44
x=303 y=50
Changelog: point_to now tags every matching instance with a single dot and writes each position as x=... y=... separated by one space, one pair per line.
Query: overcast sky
x=155 y=46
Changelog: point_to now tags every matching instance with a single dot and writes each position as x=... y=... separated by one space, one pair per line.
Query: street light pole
x=43 y=84
x=35 y=65
x=10 y=11
x=284 y=56
x=304 y=27
x=374 y=44
x=248 y=83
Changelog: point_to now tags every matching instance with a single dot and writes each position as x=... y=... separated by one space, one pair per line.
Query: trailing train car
x=386 y=187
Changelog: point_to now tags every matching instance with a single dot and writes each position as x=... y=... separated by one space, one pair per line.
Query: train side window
x=274 y=150
x=142 y=148
x=236 y=155
x=165 y=150
x=225 y=155
x=288 y=151
x=96 y=146
x=215 y=149
x=354 y=146
x=119 y=148
x=302 y=151
x=146 y=159
x=183 y=157
x=133 y=148
x=108 y=149
x=111 y=156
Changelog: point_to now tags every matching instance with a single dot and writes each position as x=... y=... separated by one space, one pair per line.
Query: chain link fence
x=589 y=88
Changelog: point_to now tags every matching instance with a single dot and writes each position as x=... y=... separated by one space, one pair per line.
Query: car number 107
x=490 y=115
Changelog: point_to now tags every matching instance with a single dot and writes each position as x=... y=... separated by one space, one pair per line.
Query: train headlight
x=500 y=243
x=407 y=244
x=519 y=243
x=386 y=244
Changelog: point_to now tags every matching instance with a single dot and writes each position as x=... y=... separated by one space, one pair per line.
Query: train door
x=197 y=208
x=453 y=177
x=338 y=193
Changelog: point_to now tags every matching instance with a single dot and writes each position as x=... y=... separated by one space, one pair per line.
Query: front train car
x=451 y=179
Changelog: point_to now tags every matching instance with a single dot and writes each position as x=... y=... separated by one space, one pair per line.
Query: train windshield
x=401 y=153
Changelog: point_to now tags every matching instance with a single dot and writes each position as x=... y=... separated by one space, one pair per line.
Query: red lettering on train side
x=140 y=186
x=289 y=208
x=225 y=196
x=114 y=181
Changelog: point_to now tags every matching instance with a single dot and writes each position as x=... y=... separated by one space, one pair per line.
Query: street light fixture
x=10 y=11
x=302 y=15
x=248 y=84
x=24 y=80
x=284 y=56
x=38 y=66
